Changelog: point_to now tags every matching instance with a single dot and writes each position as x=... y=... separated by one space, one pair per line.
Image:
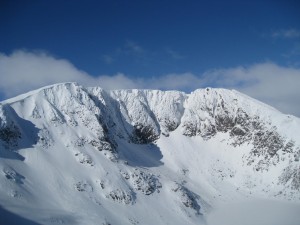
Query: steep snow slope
x=76 y=155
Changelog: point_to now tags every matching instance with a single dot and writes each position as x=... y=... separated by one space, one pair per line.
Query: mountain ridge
x=143 y=147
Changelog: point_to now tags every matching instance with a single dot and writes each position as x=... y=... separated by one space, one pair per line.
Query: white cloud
x=22 y=71
x=276 y=85
x=268 y=82
x=287 y=34
x=118 y=81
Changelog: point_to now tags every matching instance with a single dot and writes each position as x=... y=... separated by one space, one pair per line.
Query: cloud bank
x=276 y=85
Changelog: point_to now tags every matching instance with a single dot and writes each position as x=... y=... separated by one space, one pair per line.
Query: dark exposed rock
x=291 y=177
x=170 y=125
x=104 y=145
x=120 y=196
x=12 y=175
x=145 y=182
x=289 y=147
x=267 y=143
x=44 y=138
x=188 y=198
x=83 y=186
x=10 y=135
x=205 y=129
x=143 y=134
x=190 y=129
x=125 y=175
x=84 y=159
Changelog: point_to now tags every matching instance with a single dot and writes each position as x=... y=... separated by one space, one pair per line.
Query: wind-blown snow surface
x=75 y=155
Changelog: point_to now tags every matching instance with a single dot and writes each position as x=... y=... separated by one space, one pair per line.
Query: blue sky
x=153 y=44
x=150 y=38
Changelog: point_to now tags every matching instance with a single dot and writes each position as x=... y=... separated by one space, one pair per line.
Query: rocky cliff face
x=129 y=147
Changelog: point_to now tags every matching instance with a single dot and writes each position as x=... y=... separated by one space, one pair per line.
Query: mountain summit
x=76 y=155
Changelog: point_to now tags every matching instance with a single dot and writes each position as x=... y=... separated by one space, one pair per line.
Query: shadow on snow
x=140 y=155
x=25 y=129
x=7 y=217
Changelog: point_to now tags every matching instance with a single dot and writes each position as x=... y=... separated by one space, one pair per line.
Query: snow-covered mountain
x=76 y=155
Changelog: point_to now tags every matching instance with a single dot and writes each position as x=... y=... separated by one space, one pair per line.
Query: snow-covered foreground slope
x=75 y=155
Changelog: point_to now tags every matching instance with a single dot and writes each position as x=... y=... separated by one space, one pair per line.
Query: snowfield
x=76 y=155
